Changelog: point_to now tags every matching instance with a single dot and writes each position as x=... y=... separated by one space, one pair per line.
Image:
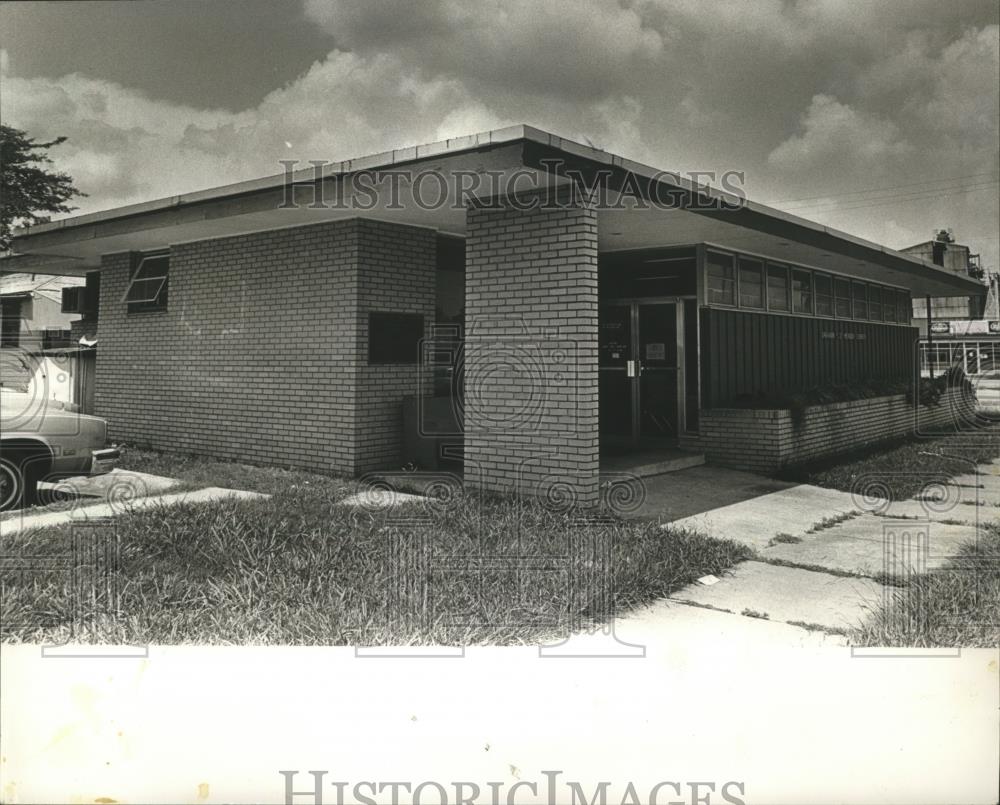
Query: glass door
x=616 y=367
x=641 y=375
x=659 y=372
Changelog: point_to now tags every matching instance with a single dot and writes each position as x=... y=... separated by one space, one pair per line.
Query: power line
x=901 y=198
x=882 y=189
x=926 y=191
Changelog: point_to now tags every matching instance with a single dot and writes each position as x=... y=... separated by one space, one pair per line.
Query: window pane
x=147 y=289
x=802 y=297
x=842 y=296
x=860 y=300
x=143 y=290
x=152 y=267
x=888 y=304
x=721 y=279
x=904 y=308
x=662 y=275
x=824 y=294
x=777 y=287
x=874 y=303
x=751 y=283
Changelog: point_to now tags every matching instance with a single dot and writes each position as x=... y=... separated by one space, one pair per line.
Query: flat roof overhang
x=518 y=158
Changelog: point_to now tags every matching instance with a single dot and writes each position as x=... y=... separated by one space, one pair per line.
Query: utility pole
x=930 y=339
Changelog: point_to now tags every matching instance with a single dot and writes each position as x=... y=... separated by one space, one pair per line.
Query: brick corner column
x=531 y=381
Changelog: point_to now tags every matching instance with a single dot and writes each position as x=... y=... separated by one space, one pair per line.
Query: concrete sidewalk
x=28 y=521
x=700 y=489
x=789 y=594
x=111 y=484
x=876 y=546
x=756 y=521
x=821 y=555
x=670 y=623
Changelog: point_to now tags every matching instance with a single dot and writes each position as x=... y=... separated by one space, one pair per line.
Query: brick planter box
x=765 y=440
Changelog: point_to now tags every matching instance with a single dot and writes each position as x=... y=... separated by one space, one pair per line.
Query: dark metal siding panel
x=754 y=353
x=709 y=365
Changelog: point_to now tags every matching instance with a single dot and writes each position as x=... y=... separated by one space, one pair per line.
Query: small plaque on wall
x=394 y=337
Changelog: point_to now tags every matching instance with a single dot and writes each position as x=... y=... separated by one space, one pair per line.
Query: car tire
x=19 y=475
x=12 y=484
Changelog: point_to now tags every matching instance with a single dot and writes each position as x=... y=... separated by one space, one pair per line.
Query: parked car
x=47 y=440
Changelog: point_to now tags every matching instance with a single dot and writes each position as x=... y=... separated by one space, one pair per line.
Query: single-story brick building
x=570 y=303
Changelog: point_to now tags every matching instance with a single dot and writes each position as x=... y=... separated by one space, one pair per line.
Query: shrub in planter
x=931 y=390
x=929 y=393
x=820 y=395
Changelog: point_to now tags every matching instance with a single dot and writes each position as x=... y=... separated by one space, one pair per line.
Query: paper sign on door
x=656 y=351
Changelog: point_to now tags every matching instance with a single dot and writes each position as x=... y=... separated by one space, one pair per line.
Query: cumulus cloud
x=833 y=132
x=125 y=147
x=964 y=103
x=804 y=97
x=577 y=49
x=924 y=113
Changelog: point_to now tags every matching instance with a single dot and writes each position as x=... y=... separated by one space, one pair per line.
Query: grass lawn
x=302 y=568
x=192 y=472
x=903 y=470
x=196 y=472
x=958 y=605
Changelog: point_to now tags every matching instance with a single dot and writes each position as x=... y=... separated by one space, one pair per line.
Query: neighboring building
x=963 y=330
x=958 y=259
x=31 y=314
x=236 y=324
x=83 y=300
x=41 y=327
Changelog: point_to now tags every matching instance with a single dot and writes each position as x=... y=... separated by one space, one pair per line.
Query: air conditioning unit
x=82 y=299
x=72 y=299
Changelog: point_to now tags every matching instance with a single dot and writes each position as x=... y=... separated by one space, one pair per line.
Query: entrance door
x=658 y=372
x=641 y=376
x=616 y=367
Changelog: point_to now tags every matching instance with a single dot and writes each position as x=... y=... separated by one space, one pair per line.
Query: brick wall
x=531 y=352
x=82 y=328
x=258 y=356
x=397 y=275
x=767 y=440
